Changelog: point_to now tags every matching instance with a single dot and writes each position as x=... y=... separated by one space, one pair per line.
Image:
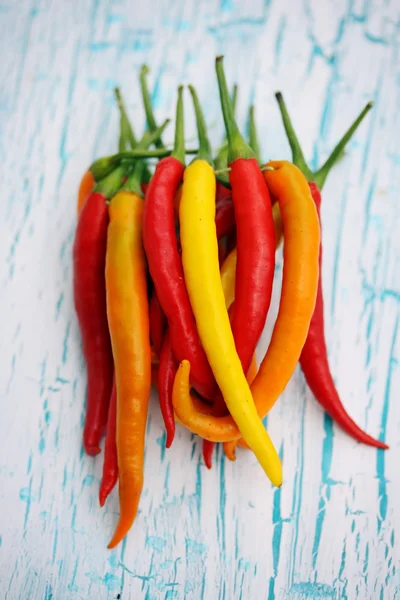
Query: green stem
x=205 y=152
x=221 y=160
x=253 y=137
x=234 y=97
x=319 y=177
x=134 y=180
x=238 y=148
x=150 y=137
x=108 y=186
x=133 y=183
x=297 y=153
x=148 y=108
x=179 y=144
x=126 y=136
x=102 y=167
x=322 y=173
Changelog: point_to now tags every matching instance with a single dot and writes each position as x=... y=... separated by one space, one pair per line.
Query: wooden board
x=332 y=530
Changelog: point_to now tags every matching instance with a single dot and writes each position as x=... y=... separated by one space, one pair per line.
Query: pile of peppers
x=173 y=275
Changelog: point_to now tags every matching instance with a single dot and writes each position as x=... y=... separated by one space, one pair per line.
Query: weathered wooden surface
x=332 y=530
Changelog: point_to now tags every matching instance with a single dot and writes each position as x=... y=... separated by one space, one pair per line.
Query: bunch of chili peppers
x=173 y=276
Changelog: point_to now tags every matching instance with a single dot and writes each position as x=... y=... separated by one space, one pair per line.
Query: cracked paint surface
x=331 y=530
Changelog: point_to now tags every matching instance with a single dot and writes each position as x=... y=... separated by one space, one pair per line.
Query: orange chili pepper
x=128 y=318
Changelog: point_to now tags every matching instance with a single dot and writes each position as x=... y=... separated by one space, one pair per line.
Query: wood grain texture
x=332 y=530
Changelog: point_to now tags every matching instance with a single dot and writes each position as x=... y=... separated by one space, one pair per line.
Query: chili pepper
x=89 y=254
x=165 y=265
x=166 y=375
x=255 y=235
x=157 y=322
x=208 y=449
x=128 y=318
x=228 y=276
x=314 y=357
x=254 y=238
x=224 y=217
x=110 y=464
x=230 y=447
x=202 y=277
x=299 y=289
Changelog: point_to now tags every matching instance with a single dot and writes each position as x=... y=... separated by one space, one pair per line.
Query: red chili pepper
x=166 y=375
x=89 y=256
x=208 y=449
x=314 y=357
x=221 y=192
x=110 y=464
x=157 y=323
x=161 y=247
x=225 y=217
x=255 y=235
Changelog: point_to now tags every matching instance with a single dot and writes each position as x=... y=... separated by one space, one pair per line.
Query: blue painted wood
x=331 y=530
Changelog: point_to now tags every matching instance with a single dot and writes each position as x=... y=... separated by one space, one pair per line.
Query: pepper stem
x=319 y=176
x=133 y=183
x=102 y=167
x=148 y=108
x=253 y=137
x=297 y=152
x=323 y=172
x=238 y=148
x=126 y=136
x=179 y=144
x=205 y=152
x=109 y=186
x=221 y=160
x=150 y=137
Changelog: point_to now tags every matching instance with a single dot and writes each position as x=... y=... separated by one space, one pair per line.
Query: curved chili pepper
x=157 y=322
x=255 y=235
x=161 y=247
x=89 y=257
x=166 y=375
x=110 y=464
x=314 y=357
x=228 y=276
x=128 y=318
x=299 y=289
x=230 y=447
x=202 y=277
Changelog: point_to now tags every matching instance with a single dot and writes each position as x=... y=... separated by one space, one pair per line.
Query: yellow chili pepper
x=299 y=288
x=202 y=277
